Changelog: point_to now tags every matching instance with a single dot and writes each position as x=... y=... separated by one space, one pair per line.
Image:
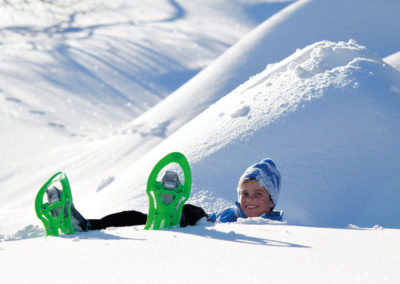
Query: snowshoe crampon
x=57 y=215
x=167 y=197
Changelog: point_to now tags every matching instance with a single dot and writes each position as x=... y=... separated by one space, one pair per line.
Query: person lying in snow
x=258 y=192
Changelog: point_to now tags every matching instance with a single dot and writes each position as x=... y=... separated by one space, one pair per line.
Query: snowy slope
x=298 y=25
x=76 y=69
x=325 y=111
x=328 y=115
x=93 y=164
x=224 y=253
x=90 y=67
x=113 y=59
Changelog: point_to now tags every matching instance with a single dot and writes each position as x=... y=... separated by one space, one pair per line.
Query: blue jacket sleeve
x=227 y=215
x=233 y=213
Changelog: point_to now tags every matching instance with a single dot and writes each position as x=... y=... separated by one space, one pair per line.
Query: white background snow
x=103 y=89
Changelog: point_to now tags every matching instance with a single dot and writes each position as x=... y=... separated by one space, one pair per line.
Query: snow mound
x=329 y=118
x=300 y=24
x=28 y=232
x=259 y=221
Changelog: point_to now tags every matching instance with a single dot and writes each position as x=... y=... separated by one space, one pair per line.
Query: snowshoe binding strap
x=166 y=198
x=57 y=215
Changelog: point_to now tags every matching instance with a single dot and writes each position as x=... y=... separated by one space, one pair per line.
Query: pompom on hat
x=266 y=173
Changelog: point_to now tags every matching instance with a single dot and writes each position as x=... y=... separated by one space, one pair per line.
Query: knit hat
x=266 y=173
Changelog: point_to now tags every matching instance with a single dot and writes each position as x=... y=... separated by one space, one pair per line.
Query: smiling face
x=254 y=199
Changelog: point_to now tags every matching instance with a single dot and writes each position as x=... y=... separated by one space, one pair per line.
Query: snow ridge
x=329 y=98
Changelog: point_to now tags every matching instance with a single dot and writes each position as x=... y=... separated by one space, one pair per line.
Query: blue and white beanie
x=266 y=173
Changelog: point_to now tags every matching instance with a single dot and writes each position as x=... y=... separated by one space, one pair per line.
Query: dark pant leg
x=121 y=219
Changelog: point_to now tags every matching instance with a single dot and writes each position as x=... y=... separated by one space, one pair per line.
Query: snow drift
x=300 y=24
x=328 y=115
x=72 y=72
x=92 y=163
x=112 y=60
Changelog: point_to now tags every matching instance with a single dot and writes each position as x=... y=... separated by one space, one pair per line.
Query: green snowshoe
x=167 y=197
x=58 y=213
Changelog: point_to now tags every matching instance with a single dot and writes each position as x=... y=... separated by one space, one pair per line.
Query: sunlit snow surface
x=103 y=89
x=222 y=253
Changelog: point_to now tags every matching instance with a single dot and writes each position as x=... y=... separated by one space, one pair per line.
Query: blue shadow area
x=179 y=12
x=97 y=235
x=174 y=80
x=208 y=232
x=259 y=12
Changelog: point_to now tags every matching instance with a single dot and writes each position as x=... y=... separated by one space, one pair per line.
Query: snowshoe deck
x=162 y=213
x=52 y=222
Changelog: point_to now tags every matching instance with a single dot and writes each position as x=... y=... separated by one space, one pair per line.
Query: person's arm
x=191 y=214
x=226 y=216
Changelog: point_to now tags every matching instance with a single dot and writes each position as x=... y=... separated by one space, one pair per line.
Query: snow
x=228 y=253
x=338 y=124
x=103 y=89
x=393 y=59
